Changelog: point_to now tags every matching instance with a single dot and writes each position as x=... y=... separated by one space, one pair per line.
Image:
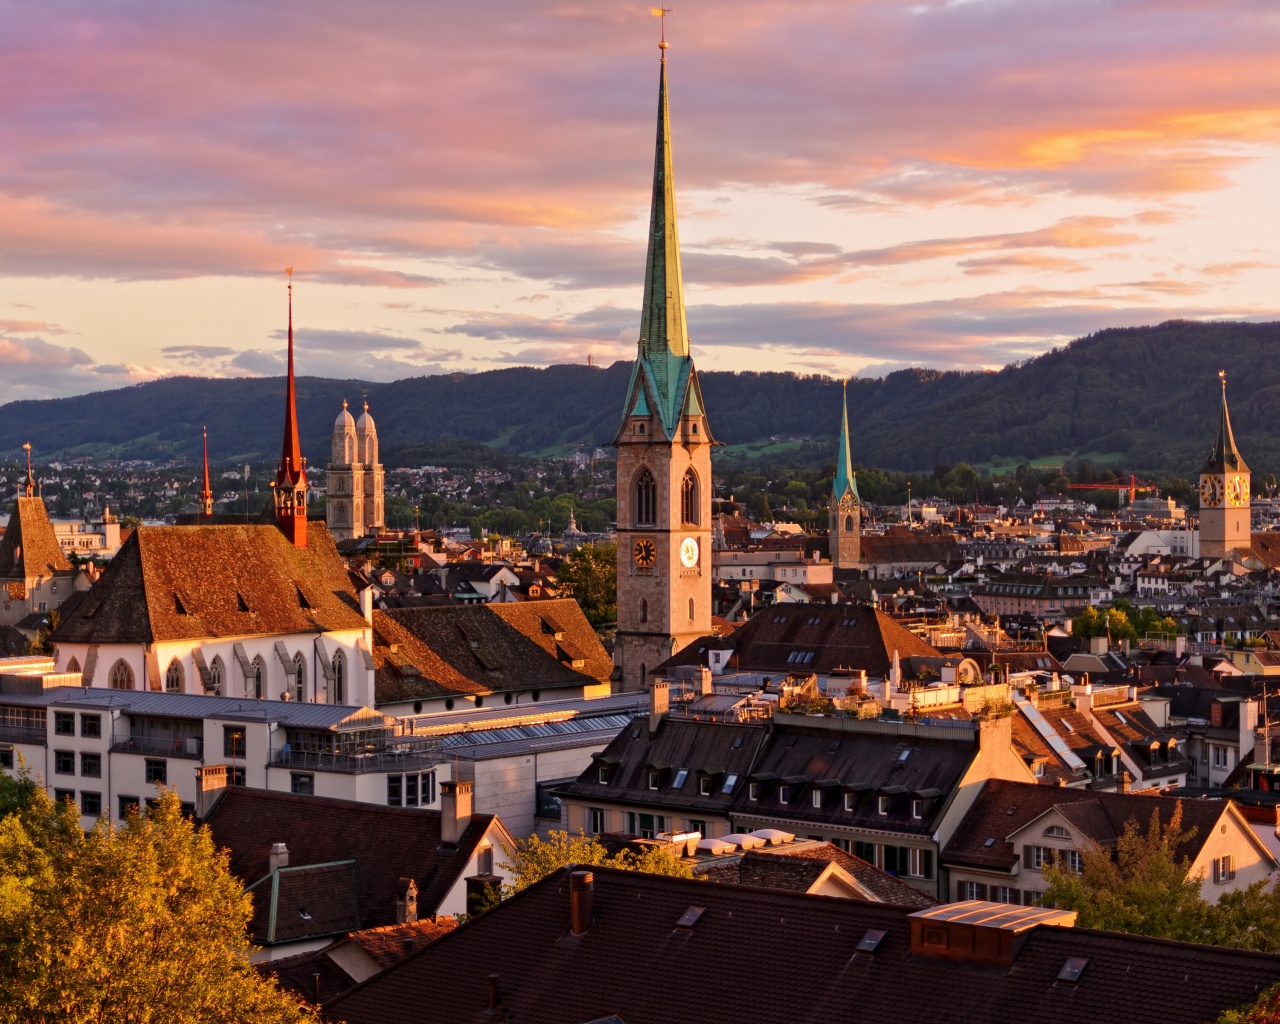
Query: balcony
x=22 y=734
x=389 y=759
x=161 y=746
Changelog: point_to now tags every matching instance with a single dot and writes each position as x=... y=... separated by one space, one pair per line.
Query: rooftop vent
x=871 y=941
x=1073 y=968
x=977 y=932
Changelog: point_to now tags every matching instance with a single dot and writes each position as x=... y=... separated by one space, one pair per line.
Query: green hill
x=1142 y=396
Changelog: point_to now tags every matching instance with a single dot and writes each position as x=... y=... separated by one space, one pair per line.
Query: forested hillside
x=1144 y=397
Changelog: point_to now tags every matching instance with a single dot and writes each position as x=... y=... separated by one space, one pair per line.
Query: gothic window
x=173 y=677
x=646 y=499
x=299 y=677
x=73 y=665
x=691 y=615
x=121 y=677
x=340 y=512
x=349 y=450
x=339 y=679
x=215 y=676
x=644 y=610
x=848 y=524
x=259 y=678
x=689 y=498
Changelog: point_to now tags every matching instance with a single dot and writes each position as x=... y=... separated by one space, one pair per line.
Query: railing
x=1053 y=698
x=161 y=746
x=1115 y=695
x=21 y=734
x=393 y=759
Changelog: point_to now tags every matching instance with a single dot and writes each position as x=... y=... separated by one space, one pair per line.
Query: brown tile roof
x=785 y=957
x=385 y=843
x=193 y=582
x=1003 y=808
x=386 y=945
x=29 y=546
x=901 y=548
x=1033 y=748
x=474 y=649
x=304 y=902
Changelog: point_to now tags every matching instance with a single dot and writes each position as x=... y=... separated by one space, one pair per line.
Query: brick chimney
x=658 y=704
x=704 y=681
x=211 y=783
x=455 y=810
x=279 y=857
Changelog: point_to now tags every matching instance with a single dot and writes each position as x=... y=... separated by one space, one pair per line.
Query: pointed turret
x=845 y=481
x=206 y=495
x=1224 y=457
x=291 y=474
x=845 y=533
x=29 y=488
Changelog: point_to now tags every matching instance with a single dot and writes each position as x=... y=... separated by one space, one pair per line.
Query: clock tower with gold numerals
x=1224 y=492
x=664 y=458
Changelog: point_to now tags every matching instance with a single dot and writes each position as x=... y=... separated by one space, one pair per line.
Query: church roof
x=29 y=546
x=194 y=582
x=845 y=481
x=1224 y=457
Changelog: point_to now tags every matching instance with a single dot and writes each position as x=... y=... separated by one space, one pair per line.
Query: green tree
x=41 y=645
x=535 y=858
x=1265 y=1010
x=590 y=576
x=135 y=924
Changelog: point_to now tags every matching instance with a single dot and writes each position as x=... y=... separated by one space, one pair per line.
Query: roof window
x=678 y=781
x=1073 y=968
x=871 y=941
x=690 y=917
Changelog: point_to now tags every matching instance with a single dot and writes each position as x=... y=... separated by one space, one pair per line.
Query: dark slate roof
x=473 y=649
x=560 y=628
x=1130 y=726
x=784 y=957
x=194 y=582
x=386 y=844
x=714 y=749
x=1003 y=808
x=895 y=547
x=298 y=903
x=29 y=546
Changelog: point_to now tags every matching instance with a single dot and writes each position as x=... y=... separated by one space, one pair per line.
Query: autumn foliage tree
x=133 y=924
x=590 y=576
x=535 y=858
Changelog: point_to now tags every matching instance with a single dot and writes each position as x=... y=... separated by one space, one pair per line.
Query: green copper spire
x=1224 y=457
x=845 y=481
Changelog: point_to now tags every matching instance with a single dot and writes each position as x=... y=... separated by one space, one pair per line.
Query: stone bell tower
x=1224 y=491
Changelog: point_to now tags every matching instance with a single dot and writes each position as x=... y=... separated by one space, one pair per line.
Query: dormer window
x=784 y=794
x=849 y=799
x=602 y=775
x=704 y=785
x=639 y=428
x=917 y=808
x=753 y=791
x=882 y=805
x=817 y=798
x=653 y=780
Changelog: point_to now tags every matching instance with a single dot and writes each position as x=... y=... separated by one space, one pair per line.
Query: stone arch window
x=644 y=672
x=339 y=679
x=340 y=512
x=644 y=609
x=691 y=610
x=259 y=678
x=848 y=524
x=173 y=677
x=349 y=450
x=645 y=506
x=121 y=676
x=299 y=677
x=216 y=672
x=689 y=498
x=73 y=666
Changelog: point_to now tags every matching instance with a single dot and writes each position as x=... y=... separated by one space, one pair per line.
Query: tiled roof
x=298 y=903
x=780 y=957
x=195 y=582
x=476 y=649
x=29 y=546
x=386 y=844
x=386 y=945
x=1003 y=808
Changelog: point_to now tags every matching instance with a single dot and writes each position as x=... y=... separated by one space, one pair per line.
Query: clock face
x=645 y=553
x=689 y=553
x=1238 y=491
x=1211 y=491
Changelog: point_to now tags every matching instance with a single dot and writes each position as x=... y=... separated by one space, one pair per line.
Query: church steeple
x=845 y=481
x=291 y=474
x=845 y=517
x=206 y=495
x=1224 y=457
x=29 y=487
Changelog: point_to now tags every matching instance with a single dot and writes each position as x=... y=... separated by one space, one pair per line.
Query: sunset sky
x=862 y=185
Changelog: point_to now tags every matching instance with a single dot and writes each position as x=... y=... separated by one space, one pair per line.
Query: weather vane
x=662 y=12
x=1222 y=376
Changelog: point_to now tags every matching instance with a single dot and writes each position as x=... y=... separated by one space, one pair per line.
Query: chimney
x=1126 y=780
x=704 y=680
x=455 y=810
x=279 y=857
x=211 y=783
x=407 y=901
x=366 y=604
x=408 y=944
x=581 y=900
x=495 y=992
x=657 y=705
x=995 y=733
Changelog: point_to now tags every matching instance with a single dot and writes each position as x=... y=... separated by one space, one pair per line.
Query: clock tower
x=664 y=458
x=1224 y=491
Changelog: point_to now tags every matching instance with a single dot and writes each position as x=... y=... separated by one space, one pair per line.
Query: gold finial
x=1222 y=376
x=344 y=405
x=662 y=12
x=289 y=271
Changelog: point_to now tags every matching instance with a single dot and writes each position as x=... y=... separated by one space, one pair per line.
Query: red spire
x=206 y=496
x=291 y=475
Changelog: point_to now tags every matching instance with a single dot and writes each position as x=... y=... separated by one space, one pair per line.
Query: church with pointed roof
x=664 y=457
x=1224 y=492
x=845 y=529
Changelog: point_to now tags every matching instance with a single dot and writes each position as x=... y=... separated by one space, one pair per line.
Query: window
x=259 y=678
x=1038 y=856
x=691 y=610
x=753 y=791
x=645 y=512
x=730 y=781
x=643 y=825
x=704 y=785
x=90 y=803
x=121 y=676
x=595 y=820
x=689 y=498
x=215 y=676
x=73 y=665
x=816 y=797
x=1073 y=859
x=129 y=805
x=157 y=771
x=784 y=794
x=917 y=808
x=971 y=891
x=849 y=800
x=91 y=766
x=300 y=678
x=64 y=762
x=867 y=851
x=395 y=784
x=1004 y=894
x=1223 y=869
x=919 y=863
x=411 y=790
x=1037 y=769
x=91 y=726
x=602 y=775
x=1057 y=832
x=339 y=678
x=428 y=786
x=6 y=757
x=653 y=780
x=699 y=826
x=233 y=741
x=882 y=805
x=1220 y=757
x=848 y=524
x=64 y=723
x=678 y=781
x=64 y=796
x=235 y=777
x=644 y=609
x=173 y=677
x=302 y=783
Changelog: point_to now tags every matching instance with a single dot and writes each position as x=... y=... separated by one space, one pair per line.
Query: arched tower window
x=645 y=506
x=121 y=677
x=299 y=677
x=73 y=666
x=339 y=679
x=259 y=679
x=689 y=498
x=644 y=609
x=340 y=513
x=848 y=524
x=173 y=677
x=348 y=450
x=691 y=615
x=216 y=672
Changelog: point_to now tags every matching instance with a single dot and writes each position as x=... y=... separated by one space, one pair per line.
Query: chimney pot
x=658 y=704
x=581 y=900
x=455 y=810
x=408 y=945
x=494 y=990
x=279 y=857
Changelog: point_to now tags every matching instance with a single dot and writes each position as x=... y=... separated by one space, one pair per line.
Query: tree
x=1265 y=1010
x=590 y=576
x=136 y=924
x=535 y=858
x=41 y=645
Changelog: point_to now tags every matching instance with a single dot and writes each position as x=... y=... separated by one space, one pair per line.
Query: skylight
x=730 y=781
x=681 y=775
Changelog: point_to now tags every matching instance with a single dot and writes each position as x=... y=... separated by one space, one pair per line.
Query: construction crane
x=1135 y=485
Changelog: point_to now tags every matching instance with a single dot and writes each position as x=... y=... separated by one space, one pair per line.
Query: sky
x=863 y=185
